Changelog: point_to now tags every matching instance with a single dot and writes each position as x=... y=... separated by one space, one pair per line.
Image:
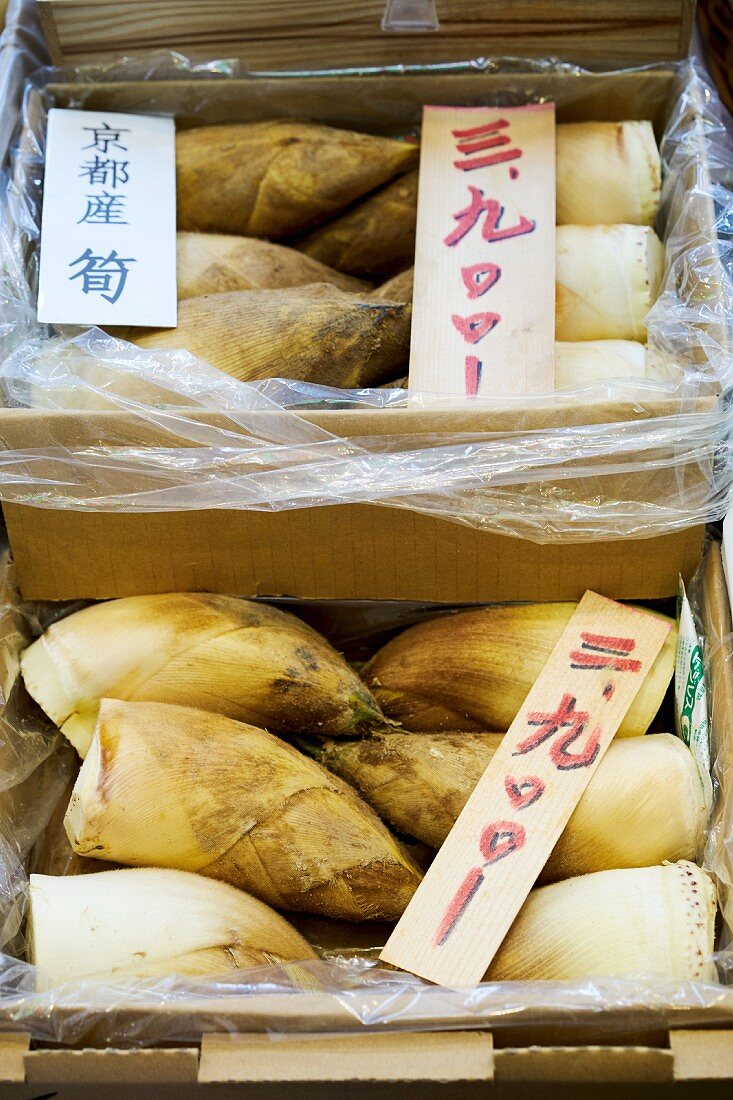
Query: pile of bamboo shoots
x=285 y=227
x=239 y=772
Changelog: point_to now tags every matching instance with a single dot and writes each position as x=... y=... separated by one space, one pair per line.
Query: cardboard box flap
x=36 y=429
x=376 y=102
x=295 y=35
x=347 y=552
x=414 y=1057
x=105 y=1067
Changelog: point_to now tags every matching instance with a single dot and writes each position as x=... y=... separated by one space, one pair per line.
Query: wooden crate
x=318 y=34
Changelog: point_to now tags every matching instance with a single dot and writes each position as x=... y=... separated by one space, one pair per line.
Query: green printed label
x=691 y=697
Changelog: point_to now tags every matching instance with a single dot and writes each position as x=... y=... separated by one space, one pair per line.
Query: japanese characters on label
x=481 y=277
x=108 y=231
x=483 y=308
x=105 y=275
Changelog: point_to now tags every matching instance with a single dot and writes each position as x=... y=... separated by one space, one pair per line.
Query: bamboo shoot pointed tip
x=250 y=810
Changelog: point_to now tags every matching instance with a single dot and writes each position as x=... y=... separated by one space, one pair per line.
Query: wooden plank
x=466 y=904
x=581 y=45
x=483 y=313
x=323 y=34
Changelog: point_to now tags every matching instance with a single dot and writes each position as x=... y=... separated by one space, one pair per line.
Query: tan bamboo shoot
x=473 y=670
x=236 y=657
x=644 y=922
x=312 y=333
x=278 y=177
x=150 y=923
x=216 y=263
x=171 y=786
x=644 y=805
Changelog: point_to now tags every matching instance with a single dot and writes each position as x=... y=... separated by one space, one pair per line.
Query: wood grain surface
x=327 y=33
x=483 y=309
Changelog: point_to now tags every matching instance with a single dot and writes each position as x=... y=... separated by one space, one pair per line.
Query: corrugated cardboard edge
x=321 y=1014
x=405 y=1057
x=346 y=551
x=107 y=1067
x=592 y=1064
x=702 y=1055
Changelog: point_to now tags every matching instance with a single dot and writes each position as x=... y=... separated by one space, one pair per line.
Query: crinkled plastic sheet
x=35 y=764
x=607 y=461
x=348 y=990
x=22 y=51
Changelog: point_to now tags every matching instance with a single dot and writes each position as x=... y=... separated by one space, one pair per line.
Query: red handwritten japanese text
x=488 y=138
x=499 y=839
x=490 y=231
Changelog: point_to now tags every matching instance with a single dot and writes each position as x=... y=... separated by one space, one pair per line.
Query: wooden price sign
x=483 y=315
x=479 y=879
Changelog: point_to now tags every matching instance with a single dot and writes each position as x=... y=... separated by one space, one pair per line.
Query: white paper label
x=691 y=696
x=108 y=234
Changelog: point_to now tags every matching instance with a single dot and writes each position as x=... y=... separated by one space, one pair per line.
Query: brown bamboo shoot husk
x=240 y=658
x=397 y=289
x=473 y=670
x=644 y=804
x=314 y=333
x=278 y=177
x=215 y=263
x=607 y=173
x=170 y=786
x=376 y=238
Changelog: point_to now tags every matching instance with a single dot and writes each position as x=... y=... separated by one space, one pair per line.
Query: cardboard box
x=462 y=1064
x=380 y=1066
x=382 y=552
x=275 y=1043
x=352 y=551
x=357 y=551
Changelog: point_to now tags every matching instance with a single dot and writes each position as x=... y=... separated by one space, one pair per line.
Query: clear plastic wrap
x=164 y=431
x=35 y=764
x=347 y=989
x=22 y=51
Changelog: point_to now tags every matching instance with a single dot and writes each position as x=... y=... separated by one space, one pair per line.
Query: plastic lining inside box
x=384 y=474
